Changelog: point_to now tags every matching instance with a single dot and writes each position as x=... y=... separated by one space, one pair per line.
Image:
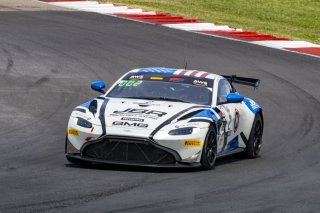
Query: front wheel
x=209 y=150
x=255 y=139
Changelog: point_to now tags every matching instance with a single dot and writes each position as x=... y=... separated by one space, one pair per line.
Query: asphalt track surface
x=48 y=59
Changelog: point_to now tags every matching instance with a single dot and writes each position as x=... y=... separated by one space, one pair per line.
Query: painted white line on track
x=93 y=6
x=73 y=4
x=119 y=11
x=105 y=10
x=200 y=27
x=286 y=44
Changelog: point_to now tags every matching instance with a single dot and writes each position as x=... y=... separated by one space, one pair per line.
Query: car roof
x=175 y=71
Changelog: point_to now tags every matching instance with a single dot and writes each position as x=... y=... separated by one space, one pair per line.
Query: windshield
x=164 y=87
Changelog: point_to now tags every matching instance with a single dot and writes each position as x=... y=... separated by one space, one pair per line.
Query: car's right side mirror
x=234 y=98
x=98 y=86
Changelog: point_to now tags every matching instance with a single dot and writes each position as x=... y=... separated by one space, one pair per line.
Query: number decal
x=125 y=83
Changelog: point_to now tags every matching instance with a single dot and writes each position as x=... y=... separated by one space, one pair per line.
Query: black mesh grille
x=127 y=150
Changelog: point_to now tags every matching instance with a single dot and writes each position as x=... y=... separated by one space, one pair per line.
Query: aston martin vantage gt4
x=164 y=117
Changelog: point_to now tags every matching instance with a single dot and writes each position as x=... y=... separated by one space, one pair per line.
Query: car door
x=227 y=133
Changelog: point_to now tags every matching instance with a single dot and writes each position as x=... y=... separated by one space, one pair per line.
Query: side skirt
x=238 y=150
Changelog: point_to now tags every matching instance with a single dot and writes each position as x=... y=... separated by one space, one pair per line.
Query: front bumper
x=128 y=151
x=174 y=165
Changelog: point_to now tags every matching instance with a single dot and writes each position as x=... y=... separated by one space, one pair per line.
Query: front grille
x=130 y=150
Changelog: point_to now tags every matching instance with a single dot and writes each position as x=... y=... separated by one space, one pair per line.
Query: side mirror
x=234 y=98
x=98 y=86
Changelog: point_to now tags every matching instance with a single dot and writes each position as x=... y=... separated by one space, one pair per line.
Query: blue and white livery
x=166 y=117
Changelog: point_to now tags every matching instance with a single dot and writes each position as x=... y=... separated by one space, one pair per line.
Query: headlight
x=181 y=131
x=83 y=122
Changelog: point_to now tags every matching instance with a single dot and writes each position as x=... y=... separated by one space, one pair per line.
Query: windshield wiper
x=138 y=97
x=158 y=98
x=171 y=99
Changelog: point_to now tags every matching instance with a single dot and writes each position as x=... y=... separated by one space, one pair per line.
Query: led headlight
x=181 y=131
x=83 y=122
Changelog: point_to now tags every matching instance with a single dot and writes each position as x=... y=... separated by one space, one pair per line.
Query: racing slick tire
x=255 y=139
x=209 y=150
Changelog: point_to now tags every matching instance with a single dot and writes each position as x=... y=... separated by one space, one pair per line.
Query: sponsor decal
x=136 y=77
x=187 y=125
x=253 y=104
x=156 y=78
x=192 y=143
x=73 y=132
x=200 y=83
x=141 y=111
x=177 y=79
x=132 y=119
x=130 y=83
x=127 y=124
x=224 y=131
x=236 y=120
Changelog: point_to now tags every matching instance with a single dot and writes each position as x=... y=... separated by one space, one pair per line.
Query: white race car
x=166 y=117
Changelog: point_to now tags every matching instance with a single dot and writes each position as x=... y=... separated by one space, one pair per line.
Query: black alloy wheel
x=209 y=152
x=255 y=140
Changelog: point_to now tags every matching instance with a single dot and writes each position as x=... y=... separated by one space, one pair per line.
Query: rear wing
x=242 y=80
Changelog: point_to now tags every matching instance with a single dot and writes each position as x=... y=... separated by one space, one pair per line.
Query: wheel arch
x=261 y=115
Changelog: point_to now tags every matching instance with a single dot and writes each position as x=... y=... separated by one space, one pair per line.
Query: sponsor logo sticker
x=200 y=83
x=140 y=111
x=156 y=78
x=136 y=77
x=132 y=119
x=192 y=143
x=127 y=124
x=73 y=132
x=177 y=79
x=253 y=104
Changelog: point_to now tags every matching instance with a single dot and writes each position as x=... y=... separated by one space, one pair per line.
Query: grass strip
x=295 y=19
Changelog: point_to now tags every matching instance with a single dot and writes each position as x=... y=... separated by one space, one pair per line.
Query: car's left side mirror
x=234 y=98
x=98 y=86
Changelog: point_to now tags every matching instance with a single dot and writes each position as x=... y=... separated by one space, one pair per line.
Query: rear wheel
x=255 y=139
x=209 y=150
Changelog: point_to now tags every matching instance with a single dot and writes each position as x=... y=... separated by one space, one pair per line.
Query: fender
x=207 y=115
x=254 y=107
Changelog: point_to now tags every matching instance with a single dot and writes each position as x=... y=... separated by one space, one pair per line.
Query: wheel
x=255 y=139
x=77 y=161
x=209 y=151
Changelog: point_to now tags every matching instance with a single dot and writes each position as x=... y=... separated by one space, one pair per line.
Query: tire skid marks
x=10 y=61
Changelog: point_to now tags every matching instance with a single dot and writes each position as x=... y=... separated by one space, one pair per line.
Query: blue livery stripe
x=86 y=105
x=206 y=114
x=252 y=105
x=233 y=145
x=157 y=70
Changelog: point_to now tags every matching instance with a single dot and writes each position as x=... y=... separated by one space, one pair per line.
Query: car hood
x=151 y=113
x=131 y=117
